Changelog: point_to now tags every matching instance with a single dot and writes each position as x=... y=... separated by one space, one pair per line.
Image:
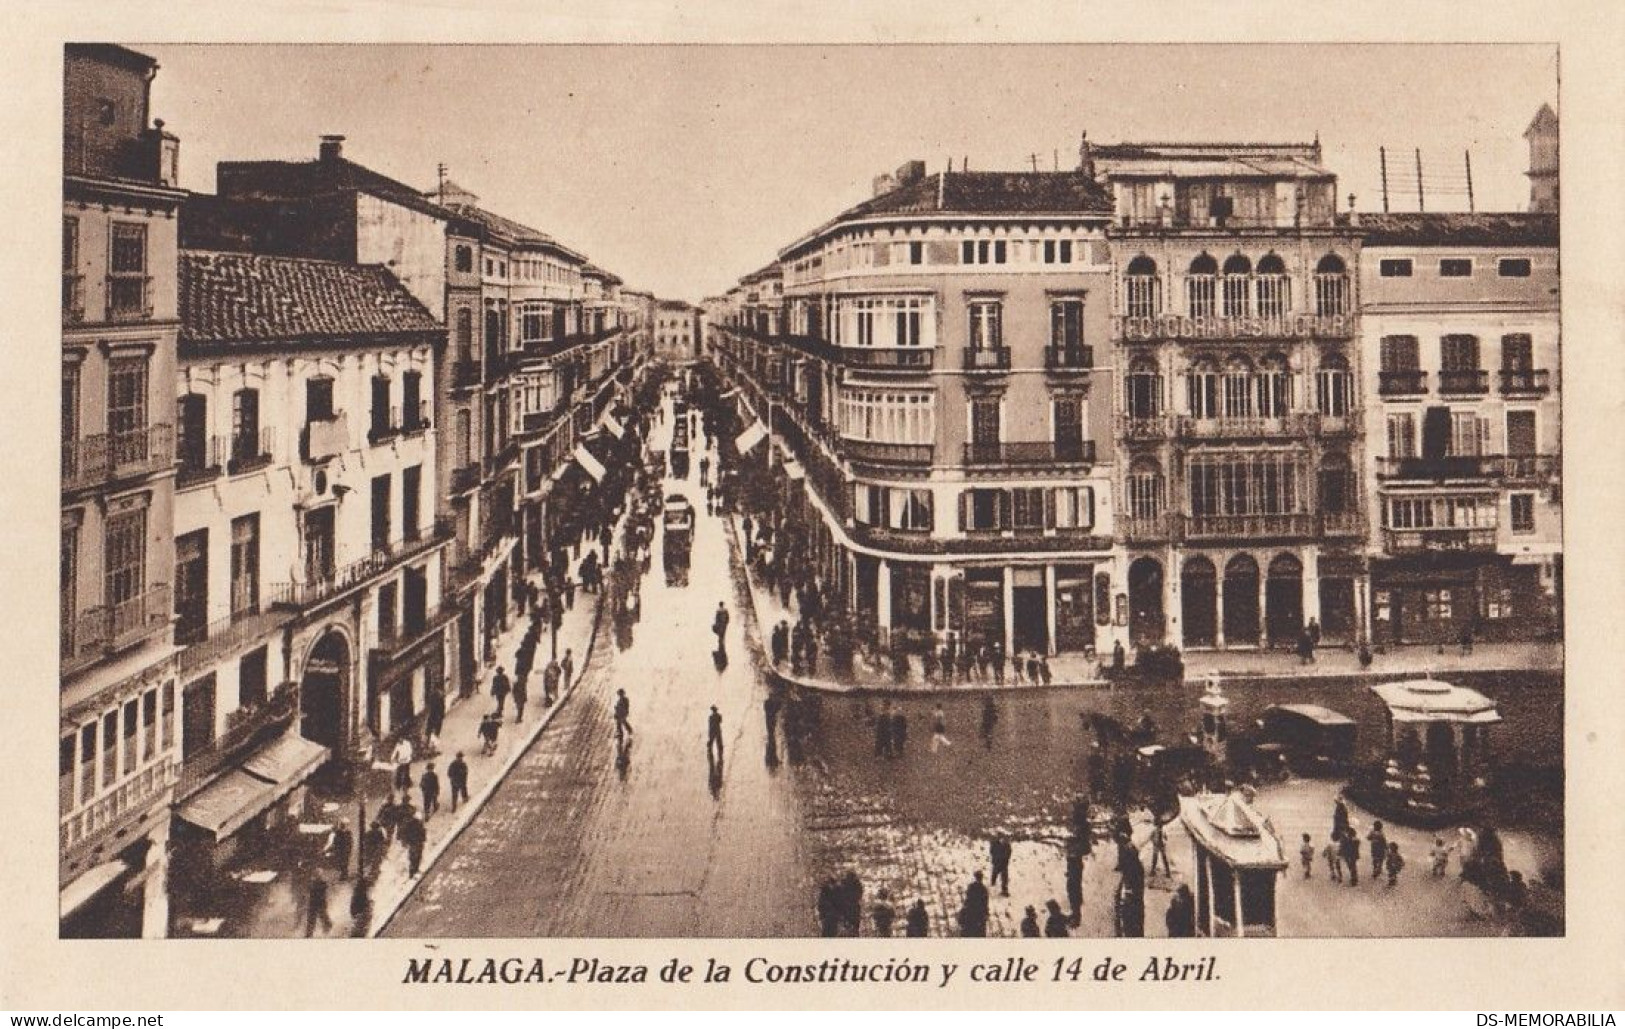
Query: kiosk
x=1438 y=760
x=1238 y=857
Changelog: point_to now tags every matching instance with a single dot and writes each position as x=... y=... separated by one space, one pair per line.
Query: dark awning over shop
x=271 y=773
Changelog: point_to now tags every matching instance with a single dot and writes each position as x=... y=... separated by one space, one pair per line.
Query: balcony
x=887 y=453
x=1464 y=381
x=1326 y=425
x=1068 y=359
x=500 y=460
x=325 y=438
x=98 y=631
x=1438 y=468
x=1233 y=428
x=129 y=298
x=465 y=373
x=1426 y=541
x=119 y=806
x=889 y=359
x=1150 y=427
x=465 y=478
x=322 y=587
x=1152 y=328
x=414 y=421
x=1148 y=528
x=1253 y=526
x=1531 y=469
x=219 y=638
x=246 y=726
x=1407 y=383
x=399 y=639
x=1035 y=453
x=111 y=457
x=1525 y=382
x=73 y=298
x=250 y=453
x=1342 y=523
x=987 y=359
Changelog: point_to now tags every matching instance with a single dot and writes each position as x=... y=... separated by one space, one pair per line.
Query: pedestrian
x=434 y=720
x=1306 y=854
x=713 y=736
x=1395 y=863
x=1334 y=858
x=1119 y=656
x=1076 y=850
x=1306 y=648
x=990 y=718
x=1044 y=672
x=899 y=732
x=1350 y=851
x=567 y=669
x=457 y=776
x=1441 y=856
x=316 y=906
x=1466 y=639
x=719 y=625
x=974 y=911
x=781 y=643
x=999 y=857
x=490 y=727
x=1029 y=922
x=500 y=689
x=569 y=585
x=811 y=649
x=402 y=757
x=883 y=731
x=521 y=694
x=1379 y=849
x=917 y=923
x=1340 y=818
x=1055 y=925
x=339 y=844
x=413 y=836
x=939 y=729
x=1159 y=847
x=849 y=898
x=883 y=914
x=1314 y=632
x=375 y=843
x=623 y=708
x=998 y=662
x=550 y=683
x=770 y=713
x=1032 y=668
x=1181 y=916
x=984 y=662
x=430 y=785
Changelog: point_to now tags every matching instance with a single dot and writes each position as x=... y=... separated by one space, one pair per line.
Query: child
x=1441 y=856
x=1307 y=853
x=1334 y=859
x=1395 y=863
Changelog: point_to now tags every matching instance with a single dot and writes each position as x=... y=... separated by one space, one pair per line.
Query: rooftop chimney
x=332 y=148
x=910 y=172
x=1086 y=155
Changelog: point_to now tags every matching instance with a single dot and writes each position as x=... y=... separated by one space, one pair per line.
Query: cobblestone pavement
x=582 y=842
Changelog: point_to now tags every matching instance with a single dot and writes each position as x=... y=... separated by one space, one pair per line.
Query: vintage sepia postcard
x=547 y=515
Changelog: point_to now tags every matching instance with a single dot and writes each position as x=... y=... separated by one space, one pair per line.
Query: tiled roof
x=1459 y=229
x=239 y=298
x=288 y=179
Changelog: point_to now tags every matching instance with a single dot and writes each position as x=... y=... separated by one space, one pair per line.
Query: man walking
x=550 y=683
x=521 y=693
x=430 y=784
x=623 y=708
x=500 y=689
x=939 y=730
x=567 y=669
x=714 y=734
x=719 y=625
x=413 y=835
x=402 y=757
x=316 y=906
x=1159 y=847
x=457 y=776
x=339 y=844
x=999 y=857
x=917 y=923
x=973 y=913
x=1379 y=849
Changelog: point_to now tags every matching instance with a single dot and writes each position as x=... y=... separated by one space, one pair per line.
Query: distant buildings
x=676 y=331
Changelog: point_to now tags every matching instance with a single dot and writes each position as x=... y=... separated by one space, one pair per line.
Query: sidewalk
x=267 y=894
x=1077 y=670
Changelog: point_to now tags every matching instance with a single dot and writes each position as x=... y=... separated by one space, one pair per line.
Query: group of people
x=957 y=661
x=1342 y=852
x=840 y=910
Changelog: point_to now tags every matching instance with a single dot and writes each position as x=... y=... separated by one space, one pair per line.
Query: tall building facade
x=1460 y=328
x=118 y=733
x=938 y=359
x=1235 y=335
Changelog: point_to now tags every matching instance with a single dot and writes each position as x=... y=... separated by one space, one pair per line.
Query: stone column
x=1009 y=611
x=1263 y=607
x=155 y=888
x=1049 y=608
x=883 y=595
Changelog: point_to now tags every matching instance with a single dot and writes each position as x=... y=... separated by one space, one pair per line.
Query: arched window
x=1238 y=273
x=1338 y=490
x=1238 y=391
x=1146 y=489
x=465 y=439
x=1142 y=289
x=465 y=334
x=1273 y=287
x=1202 y=390
x=1331 y=286
x=1143 y=389
x=1274 y=387
x=1334 y=386
x=1201 y=286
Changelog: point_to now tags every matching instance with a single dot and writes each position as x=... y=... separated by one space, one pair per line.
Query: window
x=1436 y=605
x=66 y=747
x=1469 y=434
x=192 y=432
x=127 y=271
x=984 y=510
x=533 y=323
x=191 y=586
x=109 y=748
x=132 y=715
x=245 y=566
x=1456 y=268
x=1402 y=435
x=1458 y=354
x=72 y=300
x=1273 y=287
x=1513 y=267
x=1334 y=387
x=126 y=558
x=982 y=252
x=1145 y=490
x=382 y=424
x=1523 y=512
x=984 y=422
x=1331 y=287
x=1255 y=484
x=463 y=258
x=1238 y=390
x=1236 y=285
x=318 y=400
x=1394 y=267
x=197 y=717
x=1521 y=434
x=252 y=679
x=68 y=571
x=1066 y=324
x=411 y=490
x=1027 y=508
x=319 y=552
x=1201 y=290
x=87 y=763
x=1517 y=352
x=910 y=509
x=380 y=513
x=245 y=425
x=166 y=716
x=1400 y=354
x=986 y=330
x=1142 y=288
x=1274 y=387
x=916 y=253
x=1068 y=418
x=465 y=334
x=1072 y=507
x=1337 y=485
x=127 y=405
x=1498 y=603
x=1143 y=389
x=412 y=412
x=149 y=724
x=1202 y=390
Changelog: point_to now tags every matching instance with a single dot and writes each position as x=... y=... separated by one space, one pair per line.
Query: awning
x=591 y=465
x=85 y=888
x=794 y=471
x=226 y=805
x=615 y=428
x=750 y=437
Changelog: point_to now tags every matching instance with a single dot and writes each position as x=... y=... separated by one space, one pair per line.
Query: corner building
x=1238 y=424
x=937 y=358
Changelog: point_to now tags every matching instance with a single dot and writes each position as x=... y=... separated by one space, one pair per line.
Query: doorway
x=322 y=690
x=1029 y=612
x=1147 y=623
x=1241 y=600
x=1283 y=601
x=1199 y=602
